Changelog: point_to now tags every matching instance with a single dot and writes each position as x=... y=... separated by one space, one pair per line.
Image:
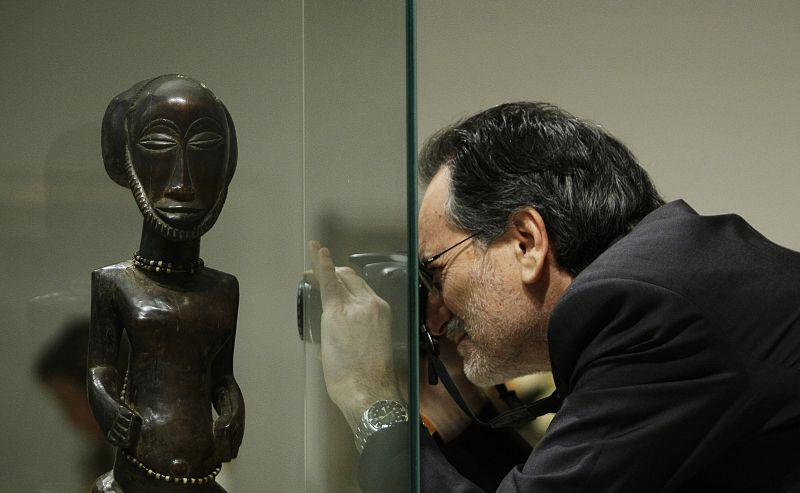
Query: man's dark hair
x=585 y=183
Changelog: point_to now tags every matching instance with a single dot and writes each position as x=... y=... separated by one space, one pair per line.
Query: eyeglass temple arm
x=427 y=261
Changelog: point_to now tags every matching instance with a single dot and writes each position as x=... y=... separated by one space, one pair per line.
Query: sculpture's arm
x=227 y=397
x=119 y=423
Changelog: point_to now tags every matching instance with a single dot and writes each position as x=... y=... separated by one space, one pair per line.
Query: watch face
x=386 y=413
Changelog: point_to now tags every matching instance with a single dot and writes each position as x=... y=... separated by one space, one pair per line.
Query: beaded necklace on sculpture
x=168 y=267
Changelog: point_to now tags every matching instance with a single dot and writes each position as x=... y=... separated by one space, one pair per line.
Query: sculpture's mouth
x=179 y=214
x=179 y=208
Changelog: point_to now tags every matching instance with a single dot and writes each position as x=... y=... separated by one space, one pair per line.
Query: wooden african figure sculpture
x=172 y=142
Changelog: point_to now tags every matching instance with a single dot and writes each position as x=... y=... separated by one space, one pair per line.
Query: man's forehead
x=436 y=195
x=434 y=229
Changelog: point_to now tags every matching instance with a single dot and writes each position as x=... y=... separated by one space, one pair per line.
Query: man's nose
x=436 y=315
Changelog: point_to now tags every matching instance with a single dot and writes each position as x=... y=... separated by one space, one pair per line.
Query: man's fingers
x=325 y=272
x=354 y=283
x=334 y=282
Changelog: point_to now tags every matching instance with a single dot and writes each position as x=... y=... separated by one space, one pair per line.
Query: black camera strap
x=515 y=417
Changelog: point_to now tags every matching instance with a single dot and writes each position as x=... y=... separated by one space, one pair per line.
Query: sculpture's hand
x=357 y=357
x=228 y=434
x=229 y=425
x=124 y=430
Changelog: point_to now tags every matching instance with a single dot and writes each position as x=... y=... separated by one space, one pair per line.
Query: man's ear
x=531 y=246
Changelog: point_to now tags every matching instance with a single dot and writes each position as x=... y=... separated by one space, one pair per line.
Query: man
x=674 y=338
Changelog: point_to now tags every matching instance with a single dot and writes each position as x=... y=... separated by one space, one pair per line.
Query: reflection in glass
x=355 y=181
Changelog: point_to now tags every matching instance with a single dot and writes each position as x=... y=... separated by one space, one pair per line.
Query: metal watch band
x=380 y=415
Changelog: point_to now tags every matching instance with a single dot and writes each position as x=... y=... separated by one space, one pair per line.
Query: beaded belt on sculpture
x=172 y=479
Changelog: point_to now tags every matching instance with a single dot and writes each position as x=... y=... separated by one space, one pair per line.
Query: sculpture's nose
x=180 y=186
x=180 y=193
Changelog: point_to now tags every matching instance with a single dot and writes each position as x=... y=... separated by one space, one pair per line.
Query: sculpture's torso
x=175 y=326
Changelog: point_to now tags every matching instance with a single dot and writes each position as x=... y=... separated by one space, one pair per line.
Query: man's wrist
x=353 y=398
x=381 y=415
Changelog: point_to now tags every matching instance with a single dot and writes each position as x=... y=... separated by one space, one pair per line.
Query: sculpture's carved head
x=173 y=143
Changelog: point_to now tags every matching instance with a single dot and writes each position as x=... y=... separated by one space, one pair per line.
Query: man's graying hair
x=585 y=183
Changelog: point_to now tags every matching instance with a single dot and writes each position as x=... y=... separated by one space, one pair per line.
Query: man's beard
x=506 y=338
x=156 y=222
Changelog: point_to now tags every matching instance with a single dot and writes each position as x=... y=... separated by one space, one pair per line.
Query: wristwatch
x=379 y=416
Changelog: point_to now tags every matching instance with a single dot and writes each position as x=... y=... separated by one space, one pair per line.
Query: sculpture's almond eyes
x=205 y=140
x=158 y=141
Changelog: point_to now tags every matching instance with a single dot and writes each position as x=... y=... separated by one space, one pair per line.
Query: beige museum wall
x=705 y=93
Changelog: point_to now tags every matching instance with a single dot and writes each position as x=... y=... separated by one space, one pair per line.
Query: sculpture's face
x=178 y=145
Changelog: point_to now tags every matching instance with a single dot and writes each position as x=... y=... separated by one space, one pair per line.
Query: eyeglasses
x=425 y=277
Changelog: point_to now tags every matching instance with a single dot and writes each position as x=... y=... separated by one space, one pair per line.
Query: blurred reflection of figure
x=61 y=370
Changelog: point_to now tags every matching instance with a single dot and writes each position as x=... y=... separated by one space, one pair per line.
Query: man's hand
x=356 y=339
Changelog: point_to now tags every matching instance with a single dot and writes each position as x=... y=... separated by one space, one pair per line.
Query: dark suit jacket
x=677 y=355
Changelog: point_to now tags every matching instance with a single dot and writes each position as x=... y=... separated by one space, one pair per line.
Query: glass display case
x=358 y=195
x=318 y=92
